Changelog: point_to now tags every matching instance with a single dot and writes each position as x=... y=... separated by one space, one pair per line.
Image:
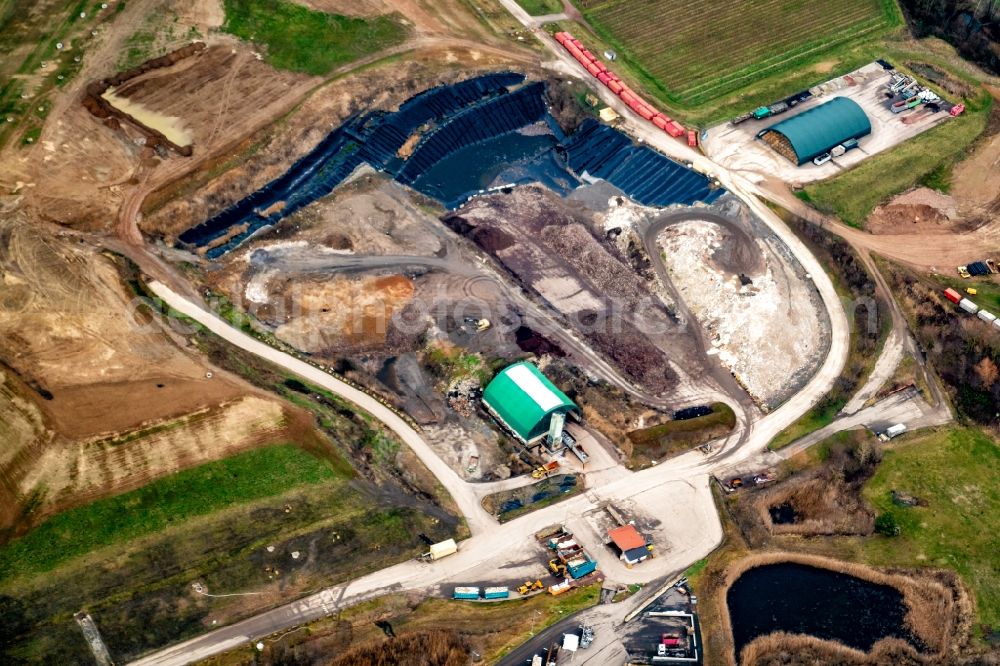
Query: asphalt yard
x=736 y=146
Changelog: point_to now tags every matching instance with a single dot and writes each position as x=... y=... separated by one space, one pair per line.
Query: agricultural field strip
x=717 y=66
x=782 y=58
x=629 y=23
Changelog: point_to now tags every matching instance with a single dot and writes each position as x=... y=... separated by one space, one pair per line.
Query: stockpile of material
x=610 y=79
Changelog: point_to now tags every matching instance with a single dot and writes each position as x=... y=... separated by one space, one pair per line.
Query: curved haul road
x=676 y=492
x=477 y=518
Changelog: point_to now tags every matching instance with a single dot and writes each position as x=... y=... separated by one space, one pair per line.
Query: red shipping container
x=615 y=87
x=660 y=122
x=952 y=295
x=692 y=138
x=604 y=78
x=577 y=43
x=561 y=37
x=674 y=129
x=592 y=68
x=600 y=66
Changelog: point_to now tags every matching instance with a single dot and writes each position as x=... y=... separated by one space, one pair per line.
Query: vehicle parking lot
x=736 y=146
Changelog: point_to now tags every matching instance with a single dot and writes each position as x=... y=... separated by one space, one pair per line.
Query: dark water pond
x=783 y=514
x=800 y=599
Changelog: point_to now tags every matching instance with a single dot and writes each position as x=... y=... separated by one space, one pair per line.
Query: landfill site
x=453 y=333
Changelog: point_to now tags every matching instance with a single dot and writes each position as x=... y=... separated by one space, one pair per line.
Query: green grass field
x=853 y=194
x=954 y=471
x=675 y=437
x=541 y=7
x=695 y=53
x=167 y=501
x=231 y=526
x=303 y=40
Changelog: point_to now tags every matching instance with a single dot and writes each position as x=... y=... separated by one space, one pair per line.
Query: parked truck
x=842 y=148
x=768 y=111
x=441 y=549
x=892 y=431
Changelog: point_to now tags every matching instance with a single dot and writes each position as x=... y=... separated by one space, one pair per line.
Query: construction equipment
x=557 y=568
x=530 y=587
x=586 y=636
x=964 y=272
x=545 y=469
x=971 y=291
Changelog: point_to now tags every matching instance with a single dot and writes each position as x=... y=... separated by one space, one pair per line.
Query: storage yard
x=667 y=630
x=737 y=146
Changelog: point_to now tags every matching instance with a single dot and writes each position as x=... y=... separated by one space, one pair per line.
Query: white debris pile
x=624 y=215
x=767 y=332
x=256 y=289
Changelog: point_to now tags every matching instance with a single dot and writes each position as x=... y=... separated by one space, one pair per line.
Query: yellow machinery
x=530 y=587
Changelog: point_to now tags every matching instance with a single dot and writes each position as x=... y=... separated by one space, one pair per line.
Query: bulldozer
x=530 y=587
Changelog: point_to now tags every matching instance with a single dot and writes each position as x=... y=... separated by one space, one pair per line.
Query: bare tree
x=987 y=371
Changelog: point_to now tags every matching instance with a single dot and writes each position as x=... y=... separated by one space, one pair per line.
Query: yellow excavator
x=530 y=587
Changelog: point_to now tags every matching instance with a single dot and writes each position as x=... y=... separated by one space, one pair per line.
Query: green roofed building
x=814 y=132
x=527 y=404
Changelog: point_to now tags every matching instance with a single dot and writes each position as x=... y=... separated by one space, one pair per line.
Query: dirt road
x=477 y=518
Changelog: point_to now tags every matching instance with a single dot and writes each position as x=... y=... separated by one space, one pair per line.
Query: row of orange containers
x=615 y=84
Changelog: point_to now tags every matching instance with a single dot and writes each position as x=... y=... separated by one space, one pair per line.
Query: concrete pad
x=736 y=146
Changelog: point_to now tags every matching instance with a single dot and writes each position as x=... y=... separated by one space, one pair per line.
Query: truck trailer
x=893 y=431
x=968 y=306
x=496 y=593
x=442 y=549
x=466 y=593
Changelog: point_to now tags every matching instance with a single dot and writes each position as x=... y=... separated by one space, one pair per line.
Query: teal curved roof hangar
x=819 y=129
x=524 y=400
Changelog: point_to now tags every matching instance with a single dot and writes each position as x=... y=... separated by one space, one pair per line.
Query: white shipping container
x=443 y=549
x=968 y=306
x=996 y=322
x=897 y=429
x=987 y=316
